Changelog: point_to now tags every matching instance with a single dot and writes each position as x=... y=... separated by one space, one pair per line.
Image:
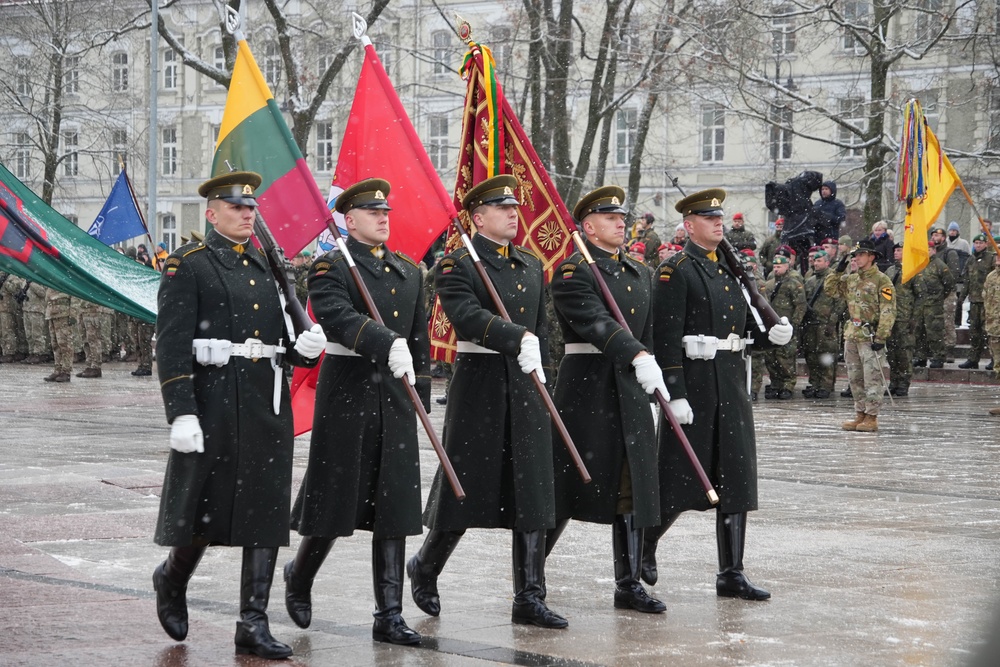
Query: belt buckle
x=255 y=348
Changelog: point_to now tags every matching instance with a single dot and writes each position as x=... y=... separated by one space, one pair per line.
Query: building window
x=220 y=58
x=22 y=76
x=783 y=33
x=168 y=230
x=22 y=155
x=855 y=13
x=993 y=143
x=713 y=133
x=119 y=72
x=272 y=64
x=119 y=150
x=781 y=133
x=170 y=69
x=852 y=111
x=442 y=51
x=437 y=147
x=383 y=47
x=216 y=129
x=928 y=19
x=168 y=151
x=626 y=121
x=71 y=158
x=324 y=146
x=71 y=74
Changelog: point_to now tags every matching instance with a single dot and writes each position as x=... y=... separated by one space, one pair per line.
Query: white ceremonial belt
x=704 y=347
x=468 y=347
x=732 y=343
x=253 y=348
x=581 y=348
x=217 y=351
x=339 y=350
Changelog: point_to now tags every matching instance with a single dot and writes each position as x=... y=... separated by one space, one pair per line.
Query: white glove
x=530 y=356
x=186 y=435
x=780 y=333
x=401 y=361
x=682 y=411
x=648 y=373
x=310 y=343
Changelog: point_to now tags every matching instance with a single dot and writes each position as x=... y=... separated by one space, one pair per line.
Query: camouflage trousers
x=142 y=333
x=994 y=343
x=950 y=305
x=8 y=332
x=977 y=331
x=864 y=373
x=929 y=327
x=780 y=362
x=756 y=371
x=36 y=333
x=820 y=344
x=93 y=340
x=61 y=331
x=899 y=354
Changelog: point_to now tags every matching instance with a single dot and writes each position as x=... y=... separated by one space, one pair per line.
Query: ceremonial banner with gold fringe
x=925 y=181
x=493 y=142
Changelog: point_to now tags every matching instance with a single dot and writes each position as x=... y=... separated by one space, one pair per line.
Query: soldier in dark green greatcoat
x=364 y=465
x=220 y=332
x=496 y=429
x=700 y=329
x=601 y=394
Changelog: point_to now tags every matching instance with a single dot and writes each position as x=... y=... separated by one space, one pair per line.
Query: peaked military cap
x=236 y=187
x=370 y=193
x=707 y=203
x=497 y=191
x=780 y=259
x=606 y=199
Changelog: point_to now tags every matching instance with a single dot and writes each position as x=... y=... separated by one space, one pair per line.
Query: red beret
x=639 y=246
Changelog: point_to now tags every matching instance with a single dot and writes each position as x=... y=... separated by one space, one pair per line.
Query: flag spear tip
x=360 y=27
x=464 y=29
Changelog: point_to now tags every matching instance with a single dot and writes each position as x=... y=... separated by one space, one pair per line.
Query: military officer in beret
x=496 y=428
x=700 y=330
x=221 y=339
x=602 y=394
x=871 y=307
x=364 y=465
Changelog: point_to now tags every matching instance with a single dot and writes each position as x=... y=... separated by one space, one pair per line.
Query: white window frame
x=626 y=126
x=119 y=148
x=781 y=137
x=324 y=146
x=857 y=12
x=272 y=64
x=993 y=120
x=856 y=107
x=783 y=34
x=69 y=142
x=437 y=141
x=22 y=154
x=713 y=133
x=923 y=23
x=119 y=72
x=168 y=151
x=71 y=75
x=441 y=45
x=22 y=76
x=168 y=230
x=170 y=70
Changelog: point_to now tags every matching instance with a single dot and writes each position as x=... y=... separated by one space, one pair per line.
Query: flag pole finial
x=232 y=19
x=464 y=29
x=360 y=26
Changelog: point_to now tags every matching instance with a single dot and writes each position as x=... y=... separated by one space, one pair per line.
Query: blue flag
x=119 y=219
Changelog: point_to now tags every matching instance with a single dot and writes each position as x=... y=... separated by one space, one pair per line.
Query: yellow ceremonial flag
x=940 y=181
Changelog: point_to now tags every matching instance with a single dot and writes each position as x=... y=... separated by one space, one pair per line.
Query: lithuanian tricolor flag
x=255 y=137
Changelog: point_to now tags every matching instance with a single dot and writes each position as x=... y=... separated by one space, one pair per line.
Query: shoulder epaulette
x=200 y=246
x=676 y=260
x=405 y=258
x=528 y=251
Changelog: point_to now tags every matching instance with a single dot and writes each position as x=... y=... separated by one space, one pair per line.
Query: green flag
x=40 y=245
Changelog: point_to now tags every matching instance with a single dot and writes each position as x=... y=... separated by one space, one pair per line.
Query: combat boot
x=936 y=363
x=869 y=425
x=969 y=363
x=847 y=393
x=995 y=412
x=89 y=373
x=853 y=424
x=299 y=575
x=822 y=393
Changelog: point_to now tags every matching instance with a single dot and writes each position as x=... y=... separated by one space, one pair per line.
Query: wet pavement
x=879 y=549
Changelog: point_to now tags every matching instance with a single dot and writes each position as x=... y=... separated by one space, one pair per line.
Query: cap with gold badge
x=497 y=191
x=606 y=199
x=370 y=193
x=707 y=203
x=236 y=187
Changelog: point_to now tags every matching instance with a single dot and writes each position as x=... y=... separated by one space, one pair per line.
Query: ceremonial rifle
x=616 y=312
x=539 y=387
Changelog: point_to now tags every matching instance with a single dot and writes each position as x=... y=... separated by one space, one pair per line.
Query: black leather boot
x=299 y=575
x=425 y=567
x=551 y=537
x=252 y=633
x=650 y=538
x=528 y=558
x=730 y=533
x=170 y=582
x=626 y=541
x=387 y=573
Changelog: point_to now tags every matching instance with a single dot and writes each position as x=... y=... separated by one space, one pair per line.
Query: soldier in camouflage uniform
x=899 y=346
x=991 y=308
x=36 y=328
x=757 y=358
x=978 y=266
x=770 y=246
x=739 y=235
x=932 y=287
x=820 y=337
x=11 y=336
x=59 y=315
x=951 y=259
x=785 y=291
x=91 y=319
x=871 y=305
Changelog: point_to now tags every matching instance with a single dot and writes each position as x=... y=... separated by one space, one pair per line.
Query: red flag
x=493 y=142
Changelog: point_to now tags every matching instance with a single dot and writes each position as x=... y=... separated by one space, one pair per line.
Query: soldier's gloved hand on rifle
x=401 y=361
x=876 y=347
x=648 y=373
x=310 y=343
x=781 y=332
x=530 y=356
x=186 y=435
x=682 y=411
x=842 y=264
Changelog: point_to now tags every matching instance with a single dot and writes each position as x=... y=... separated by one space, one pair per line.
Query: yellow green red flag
x=940 y=180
